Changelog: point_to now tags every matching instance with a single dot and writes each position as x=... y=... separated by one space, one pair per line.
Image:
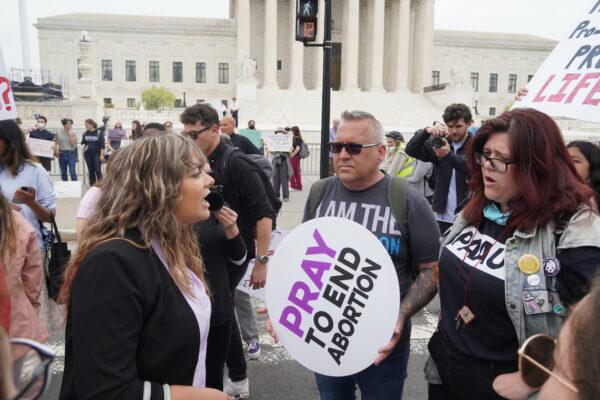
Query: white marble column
x=296 y=66
x=402 y=27
x=243 y=29
x=350 y=46
x=423 y=50
x=24 y=26
x=319 y=50
x=377 y=45
x=270 y=56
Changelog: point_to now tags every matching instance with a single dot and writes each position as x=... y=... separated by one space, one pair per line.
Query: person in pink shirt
x=22 y=262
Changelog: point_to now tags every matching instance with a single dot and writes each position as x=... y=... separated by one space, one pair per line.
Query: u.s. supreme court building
x=387 y=59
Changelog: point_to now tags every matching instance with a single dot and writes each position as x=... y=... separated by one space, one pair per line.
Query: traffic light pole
x=326 y=96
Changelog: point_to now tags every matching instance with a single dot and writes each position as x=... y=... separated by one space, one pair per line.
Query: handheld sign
x=253 y=135
x=41 y=147
x=568 y=82
x=333 y=295
x=244 y=284
x=278 y=141
x=7 y=101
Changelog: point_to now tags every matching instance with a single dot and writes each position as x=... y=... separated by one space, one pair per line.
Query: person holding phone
x=24 y=182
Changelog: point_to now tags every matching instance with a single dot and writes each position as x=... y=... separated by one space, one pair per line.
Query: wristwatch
x=262 y=259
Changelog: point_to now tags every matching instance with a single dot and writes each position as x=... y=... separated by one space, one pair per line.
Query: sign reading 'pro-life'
x=568 y=82
x=333 y=295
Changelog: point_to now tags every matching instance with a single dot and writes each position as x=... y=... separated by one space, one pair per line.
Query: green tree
x=157 y=98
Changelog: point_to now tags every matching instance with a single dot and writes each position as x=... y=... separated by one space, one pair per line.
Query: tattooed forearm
x=422 y=291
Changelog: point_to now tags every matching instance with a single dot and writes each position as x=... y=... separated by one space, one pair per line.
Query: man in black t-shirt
x=245 y=194
x=359 y=192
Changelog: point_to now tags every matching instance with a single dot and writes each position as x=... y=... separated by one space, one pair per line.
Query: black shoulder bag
x=59 y=258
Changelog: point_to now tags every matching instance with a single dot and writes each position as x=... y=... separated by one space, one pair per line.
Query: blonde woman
x=20 y=255
x=138 y=308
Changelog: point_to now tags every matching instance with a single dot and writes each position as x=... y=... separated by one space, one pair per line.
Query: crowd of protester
x=168 y=227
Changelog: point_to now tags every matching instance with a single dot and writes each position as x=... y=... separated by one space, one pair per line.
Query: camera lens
x=215 y=201
x=437 y=142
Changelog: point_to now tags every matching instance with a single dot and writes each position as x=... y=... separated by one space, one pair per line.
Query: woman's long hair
x=142 y=190
x=549 y=186
x=8 y=231
x=592 y=154
x=17 y=152
x=137 y=132
x=296 y=131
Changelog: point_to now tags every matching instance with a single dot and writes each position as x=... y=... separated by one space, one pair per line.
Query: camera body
x=435 y=142
x=105 y=120
x=215 y=199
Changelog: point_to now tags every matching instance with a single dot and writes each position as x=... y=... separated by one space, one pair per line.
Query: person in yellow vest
x=397 y=162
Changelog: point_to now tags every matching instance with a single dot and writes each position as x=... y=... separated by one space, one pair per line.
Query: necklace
x=465 y=314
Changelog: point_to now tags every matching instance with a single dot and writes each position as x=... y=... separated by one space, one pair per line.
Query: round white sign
x=333 y=295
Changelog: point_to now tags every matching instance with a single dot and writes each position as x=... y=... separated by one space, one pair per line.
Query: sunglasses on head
x=536 y=361
x=351 y=148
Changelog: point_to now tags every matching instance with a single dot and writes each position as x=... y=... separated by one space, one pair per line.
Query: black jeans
x=92 y=160
x=236 y=359
x=464 y=377
x=217 y=348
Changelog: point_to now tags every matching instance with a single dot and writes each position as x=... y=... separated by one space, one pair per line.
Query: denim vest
x=582 y=230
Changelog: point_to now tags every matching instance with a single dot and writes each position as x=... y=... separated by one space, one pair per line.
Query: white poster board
x=568 y=82
x=278 y=141
x=67 y=190
x=8 y=109
x=244 y=284
x=41 y=147
x=333 y=295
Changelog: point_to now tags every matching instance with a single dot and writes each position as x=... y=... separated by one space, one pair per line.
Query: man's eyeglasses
x=351 y=148
x=31 y=368
x=536 y=361
x=497 y=164
x=194 y=134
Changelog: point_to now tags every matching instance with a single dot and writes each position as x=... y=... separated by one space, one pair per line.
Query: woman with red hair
x=523 y=249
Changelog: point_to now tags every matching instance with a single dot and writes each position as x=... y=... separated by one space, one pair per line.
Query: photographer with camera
x=444 y=145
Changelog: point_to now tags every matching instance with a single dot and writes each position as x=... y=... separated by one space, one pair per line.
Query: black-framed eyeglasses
x=351 y=148
x=31 y=368
x=497 y=164
x=194 y=134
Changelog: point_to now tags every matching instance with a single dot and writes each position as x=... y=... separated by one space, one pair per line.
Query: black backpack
x=274 y=202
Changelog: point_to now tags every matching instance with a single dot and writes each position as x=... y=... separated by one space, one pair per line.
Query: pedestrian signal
x=306 y=20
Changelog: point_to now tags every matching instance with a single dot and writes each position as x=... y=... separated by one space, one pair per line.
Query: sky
x=546 y=18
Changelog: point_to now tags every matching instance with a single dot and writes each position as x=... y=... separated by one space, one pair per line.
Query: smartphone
x=25 y=189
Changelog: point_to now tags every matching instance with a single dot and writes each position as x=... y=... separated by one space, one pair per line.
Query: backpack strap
x=229 y=150
x=316 y=195
x=398 y=199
